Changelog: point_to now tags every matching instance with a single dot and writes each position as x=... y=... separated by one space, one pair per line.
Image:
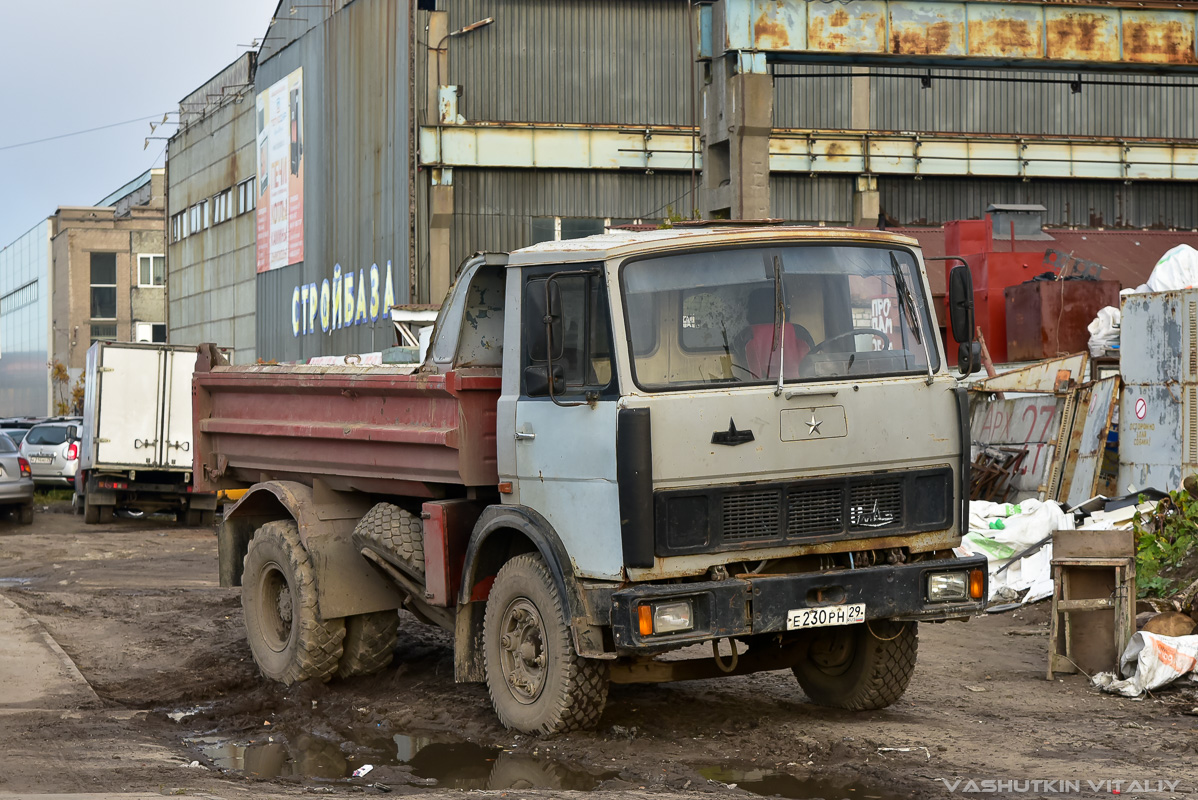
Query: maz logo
x=732 y=436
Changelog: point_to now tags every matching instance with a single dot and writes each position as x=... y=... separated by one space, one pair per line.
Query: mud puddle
x=12 y=583
x=402 y=758
x=770 y=783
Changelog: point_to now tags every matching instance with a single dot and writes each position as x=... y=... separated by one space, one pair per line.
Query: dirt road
x=136 y=606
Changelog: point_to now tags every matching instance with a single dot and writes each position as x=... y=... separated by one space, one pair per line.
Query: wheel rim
x=275 y=612
x=522 y=653
x=832 y=651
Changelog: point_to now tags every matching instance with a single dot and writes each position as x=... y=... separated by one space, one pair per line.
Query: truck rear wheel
x=538 y=684
x=289 y=640
x=369 y=643
x=859 y=667
x=26 y=514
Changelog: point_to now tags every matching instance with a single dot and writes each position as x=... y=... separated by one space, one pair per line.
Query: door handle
x=521 y=436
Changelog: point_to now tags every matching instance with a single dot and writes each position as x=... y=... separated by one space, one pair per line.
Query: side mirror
x=960 y=303
x=536 y=380
x=969 y=357
x=72 y=432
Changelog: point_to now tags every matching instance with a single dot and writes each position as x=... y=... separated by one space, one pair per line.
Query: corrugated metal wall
x=572 y=61
x=356 y=169
x=494 y=209
x=1141 y=106
x=812 y=102
x=579 y=61
x=812 y=199
x=934 y=201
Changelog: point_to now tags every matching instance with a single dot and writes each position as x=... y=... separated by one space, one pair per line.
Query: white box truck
x=137 y=439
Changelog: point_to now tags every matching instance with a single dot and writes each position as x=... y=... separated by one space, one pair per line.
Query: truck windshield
x=750 y=315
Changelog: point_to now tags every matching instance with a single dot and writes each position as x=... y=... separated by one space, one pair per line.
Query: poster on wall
x=280 y=213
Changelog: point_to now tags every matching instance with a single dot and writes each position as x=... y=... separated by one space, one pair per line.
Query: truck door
x=566 y=438
x=175 y=442
x=127 y=421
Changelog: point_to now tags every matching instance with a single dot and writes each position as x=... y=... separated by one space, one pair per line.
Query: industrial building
x=391 y=140
x=85 y=274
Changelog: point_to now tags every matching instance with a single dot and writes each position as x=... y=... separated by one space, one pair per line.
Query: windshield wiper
x=908 y=301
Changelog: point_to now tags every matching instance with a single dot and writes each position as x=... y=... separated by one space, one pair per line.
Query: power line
x=78 y=133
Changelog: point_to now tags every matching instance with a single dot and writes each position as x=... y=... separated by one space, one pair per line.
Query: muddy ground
x=136 y=605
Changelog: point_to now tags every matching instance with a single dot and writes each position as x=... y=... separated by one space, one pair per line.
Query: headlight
x=665 y=617
x=946 y=586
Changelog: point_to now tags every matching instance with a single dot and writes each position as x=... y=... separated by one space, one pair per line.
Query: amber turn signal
x=645 y=617
x=977 y=583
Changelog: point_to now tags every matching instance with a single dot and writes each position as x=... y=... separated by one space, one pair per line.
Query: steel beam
x=824 y=152
x=1126 y=36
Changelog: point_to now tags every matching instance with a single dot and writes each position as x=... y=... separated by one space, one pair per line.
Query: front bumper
x=745 y=606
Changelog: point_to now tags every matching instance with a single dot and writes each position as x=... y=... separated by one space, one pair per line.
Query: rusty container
x=1046 y=319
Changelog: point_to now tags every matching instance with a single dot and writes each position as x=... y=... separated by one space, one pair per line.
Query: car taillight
x=72 y=452
x=26 y=470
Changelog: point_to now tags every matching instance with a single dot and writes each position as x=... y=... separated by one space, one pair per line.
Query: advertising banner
x=280 y=185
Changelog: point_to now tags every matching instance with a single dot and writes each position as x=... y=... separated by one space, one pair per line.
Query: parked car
x=16 y=434
x=16 y=482
x=52 y=448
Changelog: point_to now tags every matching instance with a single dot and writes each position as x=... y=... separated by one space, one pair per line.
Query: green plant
x=1164 y=538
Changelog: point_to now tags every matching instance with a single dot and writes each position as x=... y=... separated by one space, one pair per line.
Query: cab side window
x=580 y=344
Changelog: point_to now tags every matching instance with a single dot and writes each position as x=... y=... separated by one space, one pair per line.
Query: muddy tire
x=91 y=512
x=393 y=533
x=289 y=640
x=207 y=519
x=25 y=514
x=859 y=667
x=537 y=683
x=105 y=513
x=369 y=644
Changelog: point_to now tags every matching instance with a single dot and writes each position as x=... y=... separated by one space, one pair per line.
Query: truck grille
x=756 y=515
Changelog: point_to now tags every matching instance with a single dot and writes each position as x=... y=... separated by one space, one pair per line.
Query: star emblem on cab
x=813 y=425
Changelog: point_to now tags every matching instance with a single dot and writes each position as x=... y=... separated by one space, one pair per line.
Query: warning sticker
x=1141 y=408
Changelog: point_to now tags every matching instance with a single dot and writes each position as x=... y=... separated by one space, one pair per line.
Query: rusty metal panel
x=859 y=27
x=1031 y=422
x=919 y=29
x=1158 y=415
x=1082 y=34
x=1104 y=400
x=370 y=429
x=1046 y=319
x=1043 y=376
x=1158 y=37
x=1006 y=31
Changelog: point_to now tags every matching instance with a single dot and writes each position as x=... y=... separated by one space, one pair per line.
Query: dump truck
x=741 y=443
x=136 y=443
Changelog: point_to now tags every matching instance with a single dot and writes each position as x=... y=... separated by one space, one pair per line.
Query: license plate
x=827 y=615
x=41 y=459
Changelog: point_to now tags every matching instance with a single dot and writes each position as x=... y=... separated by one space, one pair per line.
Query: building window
x=222 y=206
x=103 y=294
x=195 y=217
x=21 y=296
x=103 y=332
x=205 y=213
x=151 y=270
x=149 y=332
x=554 y=229
x=245 y=196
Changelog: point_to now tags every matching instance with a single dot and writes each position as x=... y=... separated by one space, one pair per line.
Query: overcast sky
x=70 y=65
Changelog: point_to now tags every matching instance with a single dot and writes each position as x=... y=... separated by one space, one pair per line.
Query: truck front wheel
x=858 y=667
x=289 y=640
x=538 y=684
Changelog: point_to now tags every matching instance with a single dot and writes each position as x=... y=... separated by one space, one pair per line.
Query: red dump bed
x=370 y=429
